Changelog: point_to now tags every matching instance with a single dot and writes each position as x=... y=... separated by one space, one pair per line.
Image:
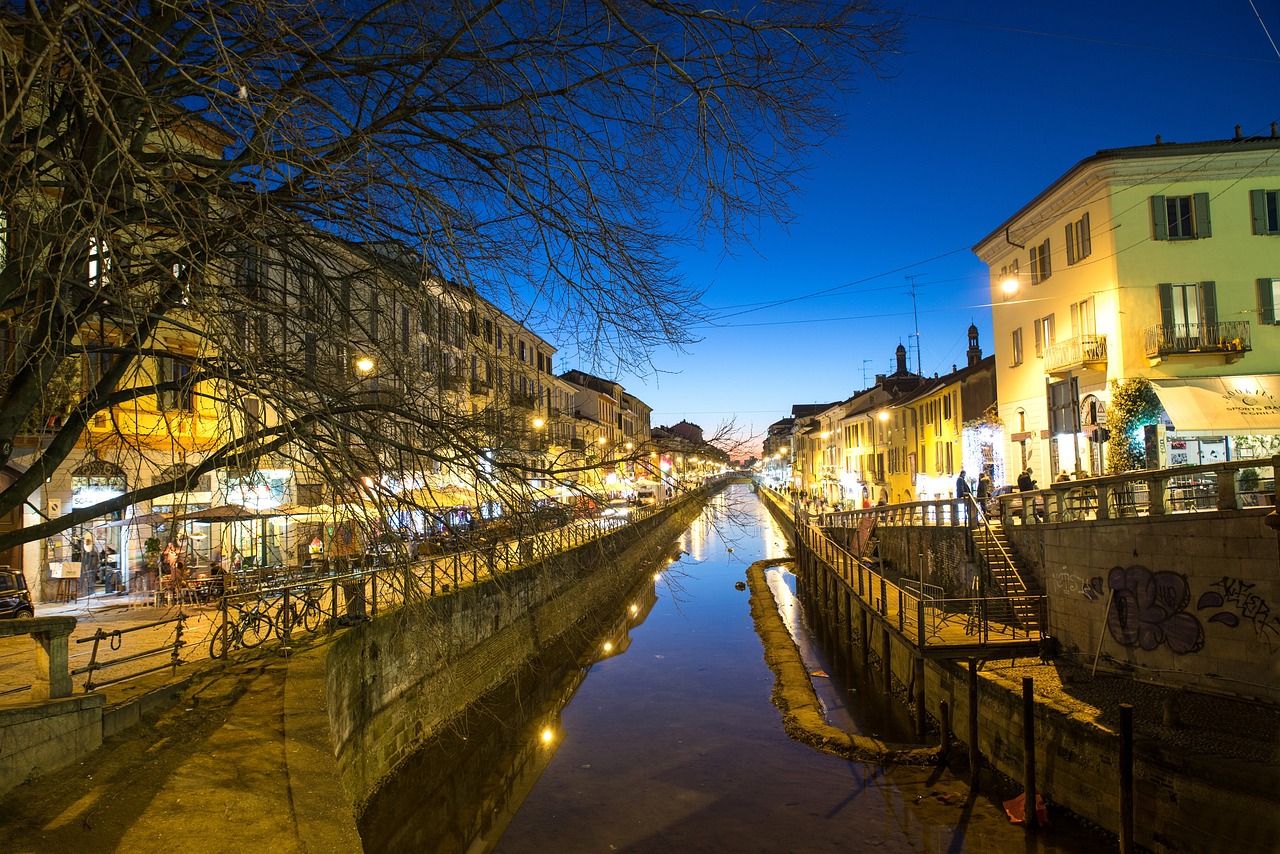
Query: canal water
x=664 y=738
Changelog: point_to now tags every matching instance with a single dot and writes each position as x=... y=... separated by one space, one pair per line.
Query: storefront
x=1216 y=419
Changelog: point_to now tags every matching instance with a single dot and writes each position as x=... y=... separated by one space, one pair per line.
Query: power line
x=1107 y=42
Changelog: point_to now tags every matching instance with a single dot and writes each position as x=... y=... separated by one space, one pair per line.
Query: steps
x=1014 y=578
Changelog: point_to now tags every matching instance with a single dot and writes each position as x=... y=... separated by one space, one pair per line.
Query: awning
x=1243 y=404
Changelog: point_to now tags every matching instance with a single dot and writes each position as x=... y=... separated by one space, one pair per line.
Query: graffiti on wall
x=1240 y=604
x=1148 y=610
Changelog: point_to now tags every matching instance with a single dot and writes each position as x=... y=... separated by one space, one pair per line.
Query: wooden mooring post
x=975 y=755
x=944 y=724
x=1126 y=778
x=1030 y=818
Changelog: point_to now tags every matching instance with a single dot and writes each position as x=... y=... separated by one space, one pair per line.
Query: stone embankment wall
x=1191 y=600
x=397 y=680
x=1178 y=806
x=37 y=739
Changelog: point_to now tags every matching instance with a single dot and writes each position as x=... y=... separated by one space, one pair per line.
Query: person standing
x=984 y=485
x=1026 y=483
x=962 y=485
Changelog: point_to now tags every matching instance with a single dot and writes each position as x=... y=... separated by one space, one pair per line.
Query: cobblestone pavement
x=1196 y=723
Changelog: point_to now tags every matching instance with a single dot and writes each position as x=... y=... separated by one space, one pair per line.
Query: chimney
x=1274 y=135
x=1237 y=131
x=1157 y=139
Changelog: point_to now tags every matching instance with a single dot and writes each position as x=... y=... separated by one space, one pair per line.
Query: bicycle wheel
x=215 y=642
x=254 y=628
x=312 y=615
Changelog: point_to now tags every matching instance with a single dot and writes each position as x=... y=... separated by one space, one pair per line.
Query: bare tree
x=215 y=209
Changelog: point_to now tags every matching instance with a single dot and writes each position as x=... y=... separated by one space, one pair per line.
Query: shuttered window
x=1265 y=205
x=1180 y=217
x=1079 y=245
x=1040 y=266
x=1268 y=290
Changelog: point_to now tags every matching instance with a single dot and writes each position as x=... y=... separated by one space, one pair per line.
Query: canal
x=663 y=738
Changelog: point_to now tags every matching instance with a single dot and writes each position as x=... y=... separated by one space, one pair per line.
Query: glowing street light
x=538 y=423
x=365 y=364
x=1009 y=285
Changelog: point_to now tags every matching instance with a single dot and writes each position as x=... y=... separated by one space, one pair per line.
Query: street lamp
x=364 y=364
x=1009 y=286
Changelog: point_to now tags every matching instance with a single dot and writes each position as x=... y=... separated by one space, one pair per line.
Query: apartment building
x=1158 y=261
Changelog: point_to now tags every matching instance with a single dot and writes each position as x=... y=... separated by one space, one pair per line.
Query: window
x=1078 y=245
x=1180 y=217
x=1040 y=266
x=1268 y=291
x=252 y=414
x=1083 y=321
x=406 y=329
x=179 y=398
x=1189 y=311
x=99 y=263
x=1017 y=347
x=1044 y=334
x=1266 y=211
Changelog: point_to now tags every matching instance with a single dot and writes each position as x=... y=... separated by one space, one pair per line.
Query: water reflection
x=673 y=743
x=460 y=791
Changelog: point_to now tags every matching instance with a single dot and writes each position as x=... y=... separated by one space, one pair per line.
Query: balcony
x=453 y=382
x=479 y=385
x=1229 y=338
x=1083 y=351
x=523 y=401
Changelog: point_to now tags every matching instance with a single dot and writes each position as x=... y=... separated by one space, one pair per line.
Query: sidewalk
x=239 y=762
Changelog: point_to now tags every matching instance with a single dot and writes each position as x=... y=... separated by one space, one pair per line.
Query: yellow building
x=1158 y=261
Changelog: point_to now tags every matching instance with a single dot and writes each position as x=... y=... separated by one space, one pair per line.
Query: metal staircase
x=1000 y=565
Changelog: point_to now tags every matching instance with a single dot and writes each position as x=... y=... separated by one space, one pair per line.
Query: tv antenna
x=915 y=317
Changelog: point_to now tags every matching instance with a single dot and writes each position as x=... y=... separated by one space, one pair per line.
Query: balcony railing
x=479 y=385
x=453 y=382
x=1229 y=337
x=1083 y=351
x=523 y=401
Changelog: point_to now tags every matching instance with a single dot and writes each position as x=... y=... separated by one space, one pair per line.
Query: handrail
x=989 y=536
x=114 y=642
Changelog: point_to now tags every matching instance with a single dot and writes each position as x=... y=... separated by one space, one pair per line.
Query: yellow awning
x=1243 y=404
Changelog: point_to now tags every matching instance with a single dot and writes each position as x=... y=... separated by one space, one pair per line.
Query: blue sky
x=988 y=103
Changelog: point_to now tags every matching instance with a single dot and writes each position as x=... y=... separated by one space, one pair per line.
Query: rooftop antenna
x=865 y=362
x=916 y=319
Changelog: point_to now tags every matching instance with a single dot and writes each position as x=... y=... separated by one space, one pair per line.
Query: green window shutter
x=1159 y=218
x=1258 y=204
x=1203 y=227
x=1086 y=248
x=1209 y=308
x=1166 y=303
x=1266 y=302
x=1071 y=246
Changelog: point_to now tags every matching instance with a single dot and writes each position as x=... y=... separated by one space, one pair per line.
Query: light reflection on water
x=676 y=746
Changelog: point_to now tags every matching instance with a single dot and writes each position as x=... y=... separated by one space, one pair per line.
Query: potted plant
x=1247 y=486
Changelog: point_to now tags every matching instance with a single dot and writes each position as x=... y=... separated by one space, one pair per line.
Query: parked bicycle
x=249 y=626
x=302 y=608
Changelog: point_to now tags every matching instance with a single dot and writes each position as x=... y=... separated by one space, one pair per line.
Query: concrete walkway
x=241 y=761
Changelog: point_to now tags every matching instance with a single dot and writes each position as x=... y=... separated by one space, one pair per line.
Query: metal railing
x=1235 y=485
x=917 y=611
x=254 y=610
x=115 y=642
x=1075 y=352
x=1225 y=336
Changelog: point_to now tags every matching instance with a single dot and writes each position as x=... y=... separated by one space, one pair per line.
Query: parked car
x=15 y=598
